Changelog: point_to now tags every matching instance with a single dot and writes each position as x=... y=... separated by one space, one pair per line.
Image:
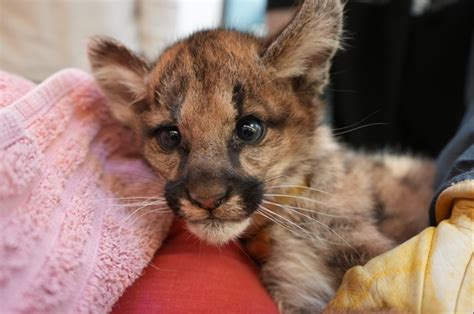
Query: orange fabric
x=188 y=276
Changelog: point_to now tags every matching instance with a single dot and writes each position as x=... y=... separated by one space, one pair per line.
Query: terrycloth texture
x=66 y=243
x=431 y=273
x=12 y=87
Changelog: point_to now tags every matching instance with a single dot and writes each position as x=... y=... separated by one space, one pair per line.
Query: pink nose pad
x=209 y=203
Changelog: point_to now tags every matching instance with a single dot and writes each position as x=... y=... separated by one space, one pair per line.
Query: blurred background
x=403 y=81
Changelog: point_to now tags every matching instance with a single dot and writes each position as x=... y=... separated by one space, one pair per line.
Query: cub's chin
x=218 y=232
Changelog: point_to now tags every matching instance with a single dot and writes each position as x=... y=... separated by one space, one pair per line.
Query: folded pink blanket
x=74 y=229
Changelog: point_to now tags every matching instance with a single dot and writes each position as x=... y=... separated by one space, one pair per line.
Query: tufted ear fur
x=122 y=76
x=305 y=47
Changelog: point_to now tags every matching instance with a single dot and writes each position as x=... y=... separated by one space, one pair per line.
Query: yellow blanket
x=431 y=273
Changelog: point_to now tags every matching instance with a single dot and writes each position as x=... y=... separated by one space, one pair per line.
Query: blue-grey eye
x=250 y=130
x=168 y=137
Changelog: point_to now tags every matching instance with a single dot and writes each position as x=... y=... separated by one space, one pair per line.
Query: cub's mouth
x=217 y=209
x=217 y=231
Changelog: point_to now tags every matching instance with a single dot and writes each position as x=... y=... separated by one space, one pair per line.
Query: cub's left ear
x=305 y=47
x=122 y=76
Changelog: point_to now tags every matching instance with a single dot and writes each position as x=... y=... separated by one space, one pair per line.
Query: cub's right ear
x=122 y=76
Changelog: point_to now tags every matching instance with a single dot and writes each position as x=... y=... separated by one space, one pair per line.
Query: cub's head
x=222 y=114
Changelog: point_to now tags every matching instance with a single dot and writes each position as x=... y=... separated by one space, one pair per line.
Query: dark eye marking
x=238 y=97
x=171 y=92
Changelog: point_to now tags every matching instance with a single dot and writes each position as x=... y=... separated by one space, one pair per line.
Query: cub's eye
x=250 y=130
x=168 y=137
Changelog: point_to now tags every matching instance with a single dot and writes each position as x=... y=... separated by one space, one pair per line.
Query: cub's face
x=220 y=116
x=220 y=127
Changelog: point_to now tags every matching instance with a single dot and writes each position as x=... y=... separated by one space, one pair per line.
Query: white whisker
x=286 y=220
x=358 y=122
x=138 y=209
x=150 y=263
x=300 y=187
x=128 y=198
x=156 y=211
x=360 y=127
x=127 y=201
x=328 y=228
x=303 y=198
x=312 y=236
x=301 y=208
x=144 y=203
x=274 y=219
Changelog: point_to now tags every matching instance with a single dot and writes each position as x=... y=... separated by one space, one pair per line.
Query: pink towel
x=67 y=243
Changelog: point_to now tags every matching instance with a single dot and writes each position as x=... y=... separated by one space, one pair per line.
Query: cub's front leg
x=302 y=271
x=296 y=277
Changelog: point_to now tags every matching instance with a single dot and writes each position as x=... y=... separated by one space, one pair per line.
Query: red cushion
x=188 y=276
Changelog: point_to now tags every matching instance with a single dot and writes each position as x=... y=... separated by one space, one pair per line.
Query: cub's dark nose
x=208 y=202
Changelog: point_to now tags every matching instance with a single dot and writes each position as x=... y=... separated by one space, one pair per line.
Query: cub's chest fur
x=234 y=125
